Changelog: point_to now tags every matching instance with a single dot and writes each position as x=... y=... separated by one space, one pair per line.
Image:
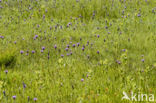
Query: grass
x=118 y=38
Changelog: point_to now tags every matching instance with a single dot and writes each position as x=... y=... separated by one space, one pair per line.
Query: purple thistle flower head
x=27 y=54
x=35 y=99
x=62 y=55
x=14 y=42
x=71 y=53
x=55 y=46
x=6 y=71
x=142 y=60
x=82 y=80
x=21 y=51
x=82 y=48
x=4 y=93
x=67 y=46
x=36 y=36
x=139 y=15
x=73 y=45
x=98 y=52
x=98 y=36
x=14 y=97
x=33 y=51
x=41 y=51
x=66 y=49
x=78 y=44
x=68 y=54
x=43 y=48
x=24 y=85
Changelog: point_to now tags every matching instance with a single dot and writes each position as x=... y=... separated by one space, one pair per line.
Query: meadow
x=77 y=51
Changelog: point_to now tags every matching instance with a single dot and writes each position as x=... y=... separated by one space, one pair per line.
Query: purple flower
x=43 y=48
x=98 y=36
x=142 y=60
x=73 y=45
x=6 y=71
x=82 y=48
x=139 y=15
x=35 y=99
x=118 y=62
x=67 y=46
x=41 y=51
x=14 y=97
x=62 y=55
x=24 y=85
x=14 y=42
x=98 y=52
x=33 y=51
x=71 y=53
x=78 y=44
x=36 y=36
x=55 y=46
x=68 y=54
x=4 y=93
x=66 y=49
x=82 y=80
x=21 y=51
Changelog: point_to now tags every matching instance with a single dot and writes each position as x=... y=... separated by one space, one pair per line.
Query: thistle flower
x=142 y=60
x=82 y=48
x=98 y=36
x=73 y=45
x=43 y=48
x=67 y=46
x=35 y=99
x=66 y=49
x=6 y=71
x=82 y=80
x=21 y=51
x=98 y=52
x=14 y=97
x=14 y=42
x=24 y=85
x=78 y=44
x=4 y=93
x=33 y=51
x=41 y=51
x=62 y=55
x=55 y=46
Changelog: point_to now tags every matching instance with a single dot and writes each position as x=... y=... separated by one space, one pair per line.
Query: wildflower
x=35 y=99
x=43 y=48
x=98 y=36
x=6 y=71
x=21 y=51
x=33 y=51
x=82 y=48
x=66 y=49
x=142 y=60
x=78 y=44
x=67 y=46
x=41 y=51
x=73 y=45
x=55 y=46
x=14 y=42
x=14 y=97
x=24 y=85
x=62 y=55
x=82 y=80
x=98 y=52
x=4 y=93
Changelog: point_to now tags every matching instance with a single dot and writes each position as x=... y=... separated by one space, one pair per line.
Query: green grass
x=125 y=40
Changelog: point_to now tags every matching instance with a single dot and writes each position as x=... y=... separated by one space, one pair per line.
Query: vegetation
x=76 y=51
